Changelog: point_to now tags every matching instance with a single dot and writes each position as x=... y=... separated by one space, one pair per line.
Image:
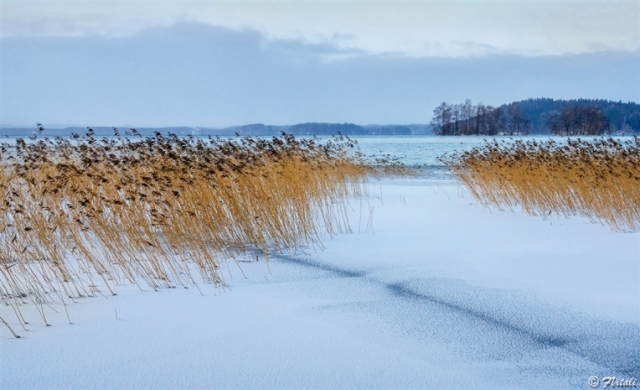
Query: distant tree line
x=480 y=119
x=326 y=129
x=257 y=129
x=624 y=118
x=320 y=129
x=576 y=120
x=561 y=117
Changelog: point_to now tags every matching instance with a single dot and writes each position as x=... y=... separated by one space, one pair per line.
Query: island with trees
x=537 y=116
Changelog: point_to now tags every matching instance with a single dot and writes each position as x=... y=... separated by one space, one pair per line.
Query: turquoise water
x=424 y=150
x=417 y=150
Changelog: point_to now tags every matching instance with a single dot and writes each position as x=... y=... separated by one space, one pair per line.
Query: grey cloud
x=481 y=47
x=201 y=75
x=297 y=47
x=343 y=37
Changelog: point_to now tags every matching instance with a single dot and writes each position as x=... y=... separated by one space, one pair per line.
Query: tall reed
x=598 y=179
x=153 y=210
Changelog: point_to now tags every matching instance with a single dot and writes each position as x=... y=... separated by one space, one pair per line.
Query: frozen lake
x=438 y=292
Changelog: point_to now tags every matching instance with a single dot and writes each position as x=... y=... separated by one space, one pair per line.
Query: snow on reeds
x=598 y=179
x=156 y=209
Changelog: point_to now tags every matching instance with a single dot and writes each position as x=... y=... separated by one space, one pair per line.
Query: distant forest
x=532 y=116
x=325 y=129
x=537 y=116
x=257 y=129
x=622 y=117
x=469 y=119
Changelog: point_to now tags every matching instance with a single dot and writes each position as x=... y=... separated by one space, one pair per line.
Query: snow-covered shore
x=440 y=293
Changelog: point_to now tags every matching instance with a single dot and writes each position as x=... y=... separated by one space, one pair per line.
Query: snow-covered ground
x=439 y=293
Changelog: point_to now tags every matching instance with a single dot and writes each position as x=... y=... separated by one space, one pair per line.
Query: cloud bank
x=196 y=74
x=416 y=28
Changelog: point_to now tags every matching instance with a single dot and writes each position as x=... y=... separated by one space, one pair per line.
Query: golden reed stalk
x=599 y=179
x=158 y=208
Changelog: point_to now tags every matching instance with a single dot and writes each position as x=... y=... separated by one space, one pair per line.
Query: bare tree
x=517 y=123
x=495 y=121
x=576 y=120
x=467 y=119
x=466 y=116
x=441 y=118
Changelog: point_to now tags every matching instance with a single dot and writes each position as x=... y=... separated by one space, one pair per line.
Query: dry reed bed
x=153 y=210
x=598 y=179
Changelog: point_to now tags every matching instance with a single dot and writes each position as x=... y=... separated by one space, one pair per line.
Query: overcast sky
x=220 y=63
